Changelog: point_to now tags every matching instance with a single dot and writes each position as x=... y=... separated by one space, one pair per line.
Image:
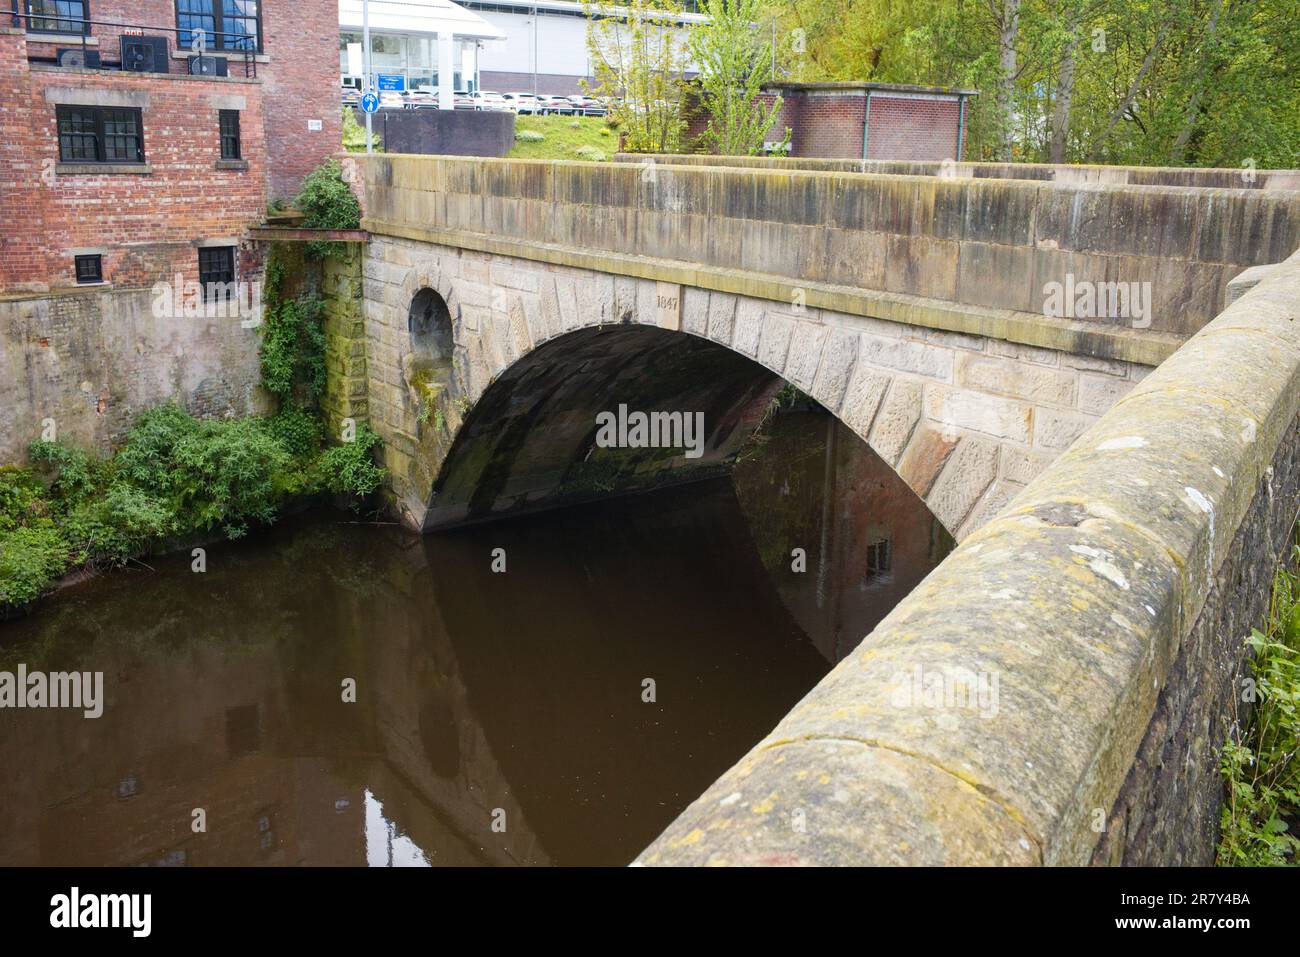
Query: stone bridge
x=910 y=307
x=1119 y=526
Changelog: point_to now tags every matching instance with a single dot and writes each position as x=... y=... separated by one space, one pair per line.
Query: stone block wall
x=966 y=420
x=1070 y=173
x=346 y=391
x=1109 y=602
x=984 y=249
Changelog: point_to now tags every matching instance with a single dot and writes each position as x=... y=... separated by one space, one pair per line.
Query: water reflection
x=499 y=718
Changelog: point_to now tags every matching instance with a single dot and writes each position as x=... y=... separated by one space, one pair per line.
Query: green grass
x=564 y=140
x=1259 y=762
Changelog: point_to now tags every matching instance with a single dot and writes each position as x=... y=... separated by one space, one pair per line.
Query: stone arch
x=870 y=374
x=429 y=325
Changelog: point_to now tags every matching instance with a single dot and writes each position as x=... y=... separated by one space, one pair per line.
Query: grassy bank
x=1260 y=766
x=563 y=137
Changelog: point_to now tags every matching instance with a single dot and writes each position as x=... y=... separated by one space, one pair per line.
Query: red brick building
x=862 y=120
x=126 y=158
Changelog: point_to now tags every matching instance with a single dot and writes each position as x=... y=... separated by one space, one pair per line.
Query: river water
x=330 y=692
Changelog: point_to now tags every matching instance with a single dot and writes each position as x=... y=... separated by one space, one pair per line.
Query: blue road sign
x=370 y=103
x=392 y=81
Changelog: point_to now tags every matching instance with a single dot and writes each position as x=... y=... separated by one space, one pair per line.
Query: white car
x=521 y=102
x=484 y=100
x=391 y=100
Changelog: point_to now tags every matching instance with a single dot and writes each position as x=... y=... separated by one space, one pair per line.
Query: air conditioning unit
x=144 y=54
x=77 y=57
x=209 y=66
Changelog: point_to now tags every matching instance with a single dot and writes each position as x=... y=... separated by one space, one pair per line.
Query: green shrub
x=73 y=472
x=147 y=457
x=22 y=499
x=327 y=202
x=123 y=524
x=350 y=469
x=30 y=558
x=228 y=474
x=298 y=432
x=354 y=134
x=530 y=136
x=1259 y=761
x=592 y=153
x=293 y=349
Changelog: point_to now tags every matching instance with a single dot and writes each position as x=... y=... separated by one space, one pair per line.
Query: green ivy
x=327 y=202
x=1259 y=761
x=292 y=353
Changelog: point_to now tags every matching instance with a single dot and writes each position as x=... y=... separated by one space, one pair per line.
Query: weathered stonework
x=91 y=361
x=967 y=426
x=1168 y=809
x=1110 y=599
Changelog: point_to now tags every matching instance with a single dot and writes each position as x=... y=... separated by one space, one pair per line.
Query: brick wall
x=147 y=224
x=828 y=124
x=298 y=68
x=904 y=128
x=301 y=84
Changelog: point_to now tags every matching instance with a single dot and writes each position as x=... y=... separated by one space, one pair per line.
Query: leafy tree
x=1147 y=82
x=637 y=57
x=734 y=62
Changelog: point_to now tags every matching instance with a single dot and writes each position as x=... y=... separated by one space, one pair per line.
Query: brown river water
x=499 y=717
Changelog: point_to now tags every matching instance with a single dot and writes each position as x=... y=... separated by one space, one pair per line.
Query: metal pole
x=365 y=61
x=534 y=56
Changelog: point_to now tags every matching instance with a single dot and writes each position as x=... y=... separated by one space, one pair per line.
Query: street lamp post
x=365 y=60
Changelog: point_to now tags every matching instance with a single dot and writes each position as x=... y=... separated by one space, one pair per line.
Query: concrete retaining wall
x=1104 y=610
x=450 y=132
x=92 y=361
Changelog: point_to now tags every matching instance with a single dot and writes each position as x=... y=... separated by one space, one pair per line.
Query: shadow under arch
x=530 y=441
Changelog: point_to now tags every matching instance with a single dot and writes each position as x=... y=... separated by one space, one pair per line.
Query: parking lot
x=526 y=104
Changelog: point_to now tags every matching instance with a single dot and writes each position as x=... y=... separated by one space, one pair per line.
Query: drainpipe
x=961 y=126
x=866 y=119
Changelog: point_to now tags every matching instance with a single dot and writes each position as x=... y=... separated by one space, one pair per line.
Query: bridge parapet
x=1245 y=177
x=1057 y=690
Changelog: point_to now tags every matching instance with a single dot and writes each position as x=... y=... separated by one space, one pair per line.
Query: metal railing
x=235 y=45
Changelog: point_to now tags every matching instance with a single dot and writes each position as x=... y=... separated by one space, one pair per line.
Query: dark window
x=229 y=120
x=55 y=16
x=100 y=134
x=216 y=265
x=90 y=269
x=225 y=24
x=880 y=559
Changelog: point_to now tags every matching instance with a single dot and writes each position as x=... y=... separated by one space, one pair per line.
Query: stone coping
x=1077 y=338
x=1075 y=600
x=1066 y=174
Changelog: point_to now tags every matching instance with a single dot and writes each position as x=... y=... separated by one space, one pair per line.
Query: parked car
x=391 y=100
x=586 y=105
x=521 y=102
x=351 y=96
x=486 y=100
x=554 y=104
x=463 y=101
x=422 y=99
